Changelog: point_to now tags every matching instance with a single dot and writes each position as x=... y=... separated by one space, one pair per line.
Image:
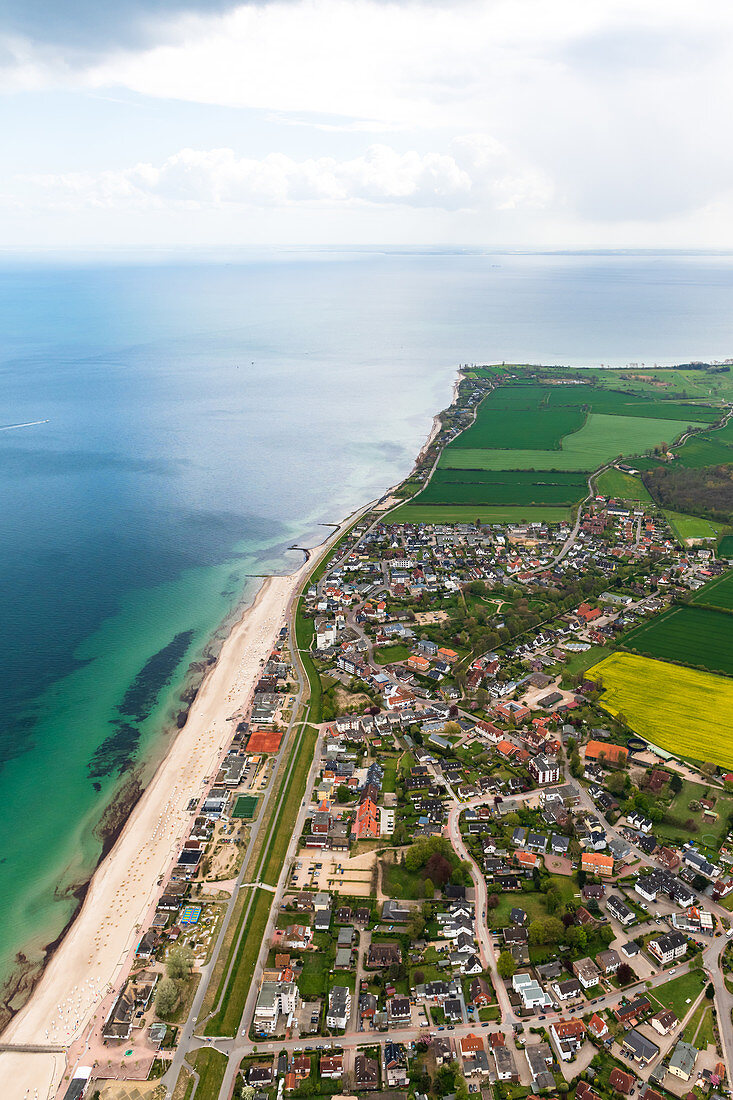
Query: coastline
x=62 y=992
x=83 y=965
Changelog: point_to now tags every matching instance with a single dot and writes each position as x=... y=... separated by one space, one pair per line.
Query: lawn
x=581 y=662
x=679 y=709
x=698 y=636
x=615 y=483
x=448 y=486
x=711 y=833
x=420 y=513
x=398 y=882
x=693 y=527
x=313 y=981
x=532 y=903
x=600 y=440
x=679 y=991
x=389 y=654
x=211 y=1066
x=717 y=593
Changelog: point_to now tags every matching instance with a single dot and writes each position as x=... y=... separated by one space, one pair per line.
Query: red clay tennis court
x=264 y=741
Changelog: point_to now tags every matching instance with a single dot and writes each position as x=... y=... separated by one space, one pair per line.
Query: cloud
x=477 y=171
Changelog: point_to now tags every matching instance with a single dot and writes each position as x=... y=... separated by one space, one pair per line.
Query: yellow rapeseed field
x=679 y=709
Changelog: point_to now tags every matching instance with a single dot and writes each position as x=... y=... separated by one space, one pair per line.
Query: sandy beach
x=123 y=890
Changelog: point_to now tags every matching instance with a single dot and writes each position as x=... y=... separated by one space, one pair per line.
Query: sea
x=171 y=424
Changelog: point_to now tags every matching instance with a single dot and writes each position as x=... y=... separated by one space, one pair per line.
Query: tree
x=506 y=965
x=428 y=888
x=439 y=869
x=166 y=998
x=708 y=769
x=179 y=963
x=617 y=782
x=492 y=901
x=552 y=900
x=546 y=930
x=625 y=974
x=342 y=793
x=676 y=783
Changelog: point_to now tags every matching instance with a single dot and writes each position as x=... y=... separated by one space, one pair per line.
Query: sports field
x=717 y=593
x=497 y=487
x=694 y=636
x=679 y=709
x=601 y=439
x=245 y=807
x=615 y=483
x=440 y=513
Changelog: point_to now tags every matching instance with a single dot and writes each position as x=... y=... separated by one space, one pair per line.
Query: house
x=598 y=1027
x=620 y=1081
x=664 y=1022
x=259 y=1076
x=539 y=1059
x=394 y=913
x=605 y=753
x=567 y=990
x=669 y=947
x=506 y=1066
x=586 y=972
x=632 y=1010
x=618 y=908
x=382 y=955
x=367 y=820
x=274 y=999
x=471 y=1043
x=637 y=1048
x=366 y=1073
x=544 y=769
x=596 y=864
x=608 y=961
x=332 y=1066
x=683 y=1059
x=398 y=1010
x=395 y=1065
x=567 y=1037
x=480 y=992
x=339 y=1007
x=532 y=994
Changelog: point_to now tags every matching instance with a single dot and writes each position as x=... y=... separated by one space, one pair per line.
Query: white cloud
x=477 y=172
x=605 y=117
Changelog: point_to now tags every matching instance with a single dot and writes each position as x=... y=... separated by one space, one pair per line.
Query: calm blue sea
x=202 y=416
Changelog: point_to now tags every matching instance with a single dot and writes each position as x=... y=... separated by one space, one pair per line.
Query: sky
x=476 y=123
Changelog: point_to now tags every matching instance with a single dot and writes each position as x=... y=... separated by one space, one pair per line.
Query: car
x=673 y=971
x=487 y=1024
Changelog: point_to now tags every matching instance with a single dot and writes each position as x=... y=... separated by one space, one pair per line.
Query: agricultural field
x=710 y=448
x=497 y=487
x=716 y=593
x=679 y=709
x=601 y=439
x=419 y=513
x=725 y=547
x=692 y=527
x=616 y=483
x=695 y=636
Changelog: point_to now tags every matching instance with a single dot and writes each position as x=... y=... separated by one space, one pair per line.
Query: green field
x=541 y=428
x=615 y=483
x=418 y=513
x=479 y=487
x=716 y=593
x=388 y=654
x=725 y=547
x=245 y=807
x=679 y=991
x=210 y=1065
x=712 y=448
x=600 y=440
x=696 y=636
x=692 y=527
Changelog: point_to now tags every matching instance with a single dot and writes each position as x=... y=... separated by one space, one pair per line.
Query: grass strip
x=221 y=967
x=282 y=830
x=226 y=1020
x=211 y=1066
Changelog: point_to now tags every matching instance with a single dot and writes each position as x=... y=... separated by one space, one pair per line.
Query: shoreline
x=53 y=981
x=85 y=961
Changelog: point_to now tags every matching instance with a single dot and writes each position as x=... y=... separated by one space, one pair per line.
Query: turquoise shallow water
x=202 y=416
